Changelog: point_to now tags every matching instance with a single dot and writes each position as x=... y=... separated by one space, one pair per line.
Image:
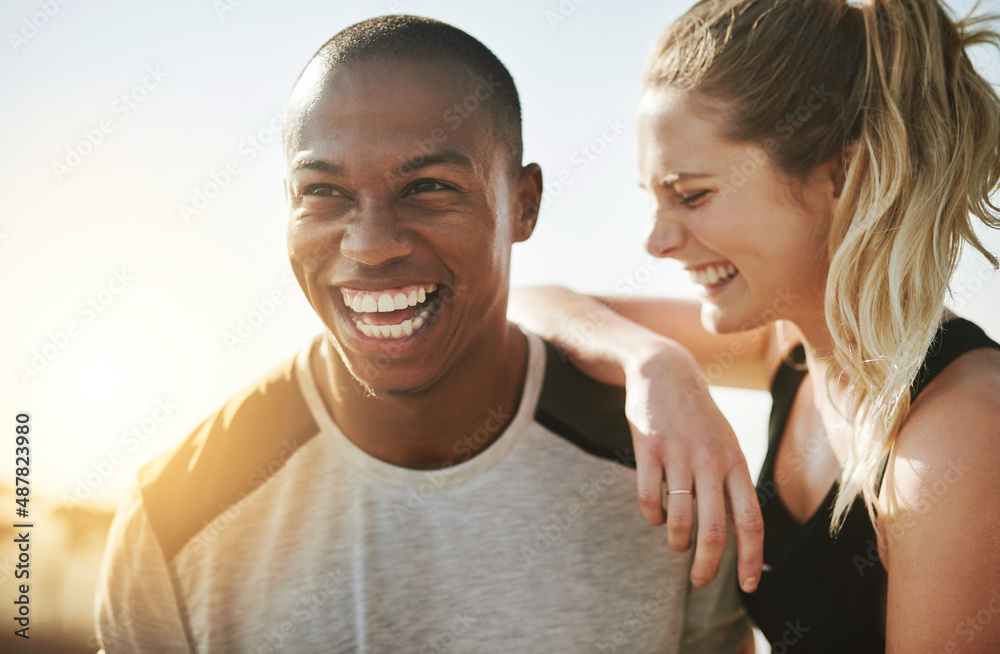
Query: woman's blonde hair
x=889 y=82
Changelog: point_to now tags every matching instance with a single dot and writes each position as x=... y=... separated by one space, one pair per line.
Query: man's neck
x=454 y=419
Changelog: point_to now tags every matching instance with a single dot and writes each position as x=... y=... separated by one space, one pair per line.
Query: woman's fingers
x=712 y=529
x=749 y=526
x=704 y=456
x=680 y=506
x=649 y=471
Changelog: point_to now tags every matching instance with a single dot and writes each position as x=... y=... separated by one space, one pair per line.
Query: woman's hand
x=652 y=346
x=680 y=436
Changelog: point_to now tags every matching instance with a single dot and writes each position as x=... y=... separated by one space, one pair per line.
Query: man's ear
x=529 y=199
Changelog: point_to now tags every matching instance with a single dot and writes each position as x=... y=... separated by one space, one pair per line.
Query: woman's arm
x=939 y=515
x=744 y=360
x=678 y=432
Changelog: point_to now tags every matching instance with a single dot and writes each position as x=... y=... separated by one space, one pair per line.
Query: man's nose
x=376 y=235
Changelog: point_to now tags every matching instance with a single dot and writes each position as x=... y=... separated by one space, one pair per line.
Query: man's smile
x=390 y=312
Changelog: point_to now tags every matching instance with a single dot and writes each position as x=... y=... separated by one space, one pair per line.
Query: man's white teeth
x=365 y=302
x=713 y=274
x=401 y=330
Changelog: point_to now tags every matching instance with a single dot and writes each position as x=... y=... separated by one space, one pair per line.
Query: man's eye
x=691 y=200
x=322 y=190
x=426 y=186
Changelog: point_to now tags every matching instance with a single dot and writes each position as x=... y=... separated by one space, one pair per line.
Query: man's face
x=403 y=213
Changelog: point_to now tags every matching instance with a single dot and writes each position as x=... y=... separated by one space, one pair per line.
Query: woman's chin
x=713 y=319
x=718 y=320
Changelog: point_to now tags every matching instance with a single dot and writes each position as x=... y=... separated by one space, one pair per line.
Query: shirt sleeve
x=715 y=620
x=136 y=608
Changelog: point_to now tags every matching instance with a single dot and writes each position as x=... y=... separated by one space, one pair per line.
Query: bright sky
x=123 y=305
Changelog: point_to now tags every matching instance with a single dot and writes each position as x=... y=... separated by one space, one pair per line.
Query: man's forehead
x=385 y=86
x=390 y=106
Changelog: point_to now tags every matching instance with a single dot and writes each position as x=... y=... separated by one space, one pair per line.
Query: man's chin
x=382 y=368
x=388 y=382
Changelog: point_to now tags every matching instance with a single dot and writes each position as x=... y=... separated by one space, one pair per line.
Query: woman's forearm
x=600 y=343
x=604 y=336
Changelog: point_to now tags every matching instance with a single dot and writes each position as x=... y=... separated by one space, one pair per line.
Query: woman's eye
x=693 y=199
x=427 y=185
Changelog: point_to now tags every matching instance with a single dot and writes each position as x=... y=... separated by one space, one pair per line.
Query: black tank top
x=819 y=593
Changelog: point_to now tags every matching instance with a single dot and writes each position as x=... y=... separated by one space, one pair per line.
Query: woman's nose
x=666 y=235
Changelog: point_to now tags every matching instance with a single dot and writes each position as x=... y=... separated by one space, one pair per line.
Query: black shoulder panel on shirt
x=226 y=458
x=587 y=413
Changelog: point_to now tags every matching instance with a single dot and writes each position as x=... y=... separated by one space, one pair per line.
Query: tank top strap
x=784 y=387
x=953 y=339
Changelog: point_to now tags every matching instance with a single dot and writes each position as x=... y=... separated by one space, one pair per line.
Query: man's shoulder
x=229 y=455
x=585 y=412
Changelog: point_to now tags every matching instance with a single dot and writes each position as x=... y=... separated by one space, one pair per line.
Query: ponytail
x=925 y=162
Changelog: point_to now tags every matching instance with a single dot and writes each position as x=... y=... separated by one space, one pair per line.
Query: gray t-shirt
x=268 y=530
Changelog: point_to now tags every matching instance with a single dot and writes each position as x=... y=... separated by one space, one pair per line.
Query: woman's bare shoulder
x=939 y=510
x=958 y=410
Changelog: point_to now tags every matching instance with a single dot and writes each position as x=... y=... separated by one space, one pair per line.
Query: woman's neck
x=829 y=395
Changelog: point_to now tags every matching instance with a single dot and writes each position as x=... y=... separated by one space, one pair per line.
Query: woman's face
x=754 y=241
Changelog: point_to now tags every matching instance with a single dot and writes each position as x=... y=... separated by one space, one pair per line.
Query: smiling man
x=424 y=476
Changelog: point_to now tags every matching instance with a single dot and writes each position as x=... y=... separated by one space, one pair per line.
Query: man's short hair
x=414 y=37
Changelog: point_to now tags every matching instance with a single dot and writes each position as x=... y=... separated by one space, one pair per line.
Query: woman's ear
x=840 y=172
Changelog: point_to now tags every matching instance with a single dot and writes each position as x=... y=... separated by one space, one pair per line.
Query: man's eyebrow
x=451 y=157
x=447 y=157
x=322 y=166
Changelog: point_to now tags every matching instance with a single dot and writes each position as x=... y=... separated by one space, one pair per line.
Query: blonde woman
x=817 y=165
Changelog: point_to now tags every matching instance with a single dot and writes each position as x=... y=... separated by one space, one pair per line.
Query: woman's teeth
x=401 y=330
x=713 y=275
